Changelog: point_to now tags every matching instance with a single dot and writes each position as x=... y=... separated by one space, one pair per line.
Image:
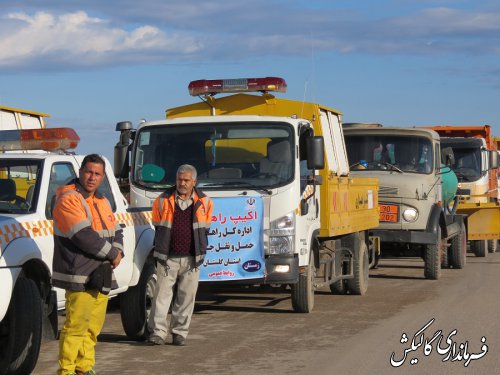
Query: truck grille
x=388 y=190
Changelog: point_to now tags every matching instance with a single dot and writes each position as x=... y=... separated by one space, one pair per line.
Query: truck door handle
x=122 y=225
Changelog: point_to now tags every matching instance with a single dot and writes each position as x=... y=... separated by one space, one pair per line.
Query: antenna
x=312 y=75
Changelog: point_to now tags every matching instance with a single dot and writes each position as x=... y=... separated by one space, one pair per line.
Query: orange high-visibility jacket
x=163 y=217
x=86 y=234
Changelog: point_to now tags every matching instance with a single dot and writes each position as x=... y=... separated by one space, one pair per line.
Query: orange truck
x=476 y=166
x=497 y=141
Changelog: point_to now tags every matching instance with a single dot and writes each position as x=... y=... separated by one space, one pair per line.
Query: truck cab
x=416 y=191
x=476 y=166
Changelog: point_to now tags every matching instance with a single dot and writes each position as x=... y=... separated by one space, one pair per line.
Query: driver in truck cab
x=88 y=245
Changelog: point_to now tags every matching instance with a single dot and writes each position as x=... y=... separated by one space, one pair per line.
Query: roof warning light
x=215 y=86
x=54 y=139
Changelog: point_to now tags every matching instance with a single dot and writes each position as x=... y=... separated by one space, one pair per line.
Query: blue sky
x=92 y=63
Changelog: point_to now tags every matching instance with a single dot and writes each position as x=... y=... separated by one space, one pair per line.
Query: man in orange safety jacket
x=88 y=245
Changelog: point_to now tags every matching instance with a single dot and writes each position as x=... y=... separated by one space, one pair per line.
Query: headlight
x=282 y=235
x=284 y=225
x=410 y=215
x=281 y=245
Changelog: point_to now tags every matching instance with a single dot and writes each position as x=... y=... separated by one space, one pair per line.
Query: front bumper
x=405 y=236
x=8 y=277
x=282 y=261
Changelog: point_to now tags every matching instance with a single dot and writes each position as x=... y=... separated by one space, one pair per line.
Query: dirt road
x=255 y=331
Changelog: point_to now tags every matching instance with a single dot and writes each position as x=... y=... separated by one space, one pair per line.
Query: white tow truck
x=28 y=303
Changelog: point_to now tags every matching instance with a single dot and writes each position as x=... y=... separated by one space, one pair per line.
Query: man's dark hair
x=93 y=158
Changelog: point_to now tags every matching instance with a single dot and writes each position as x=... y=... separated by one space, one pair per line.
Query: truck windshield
x=394 y=153
x=18 y=184
x=467 y=154
x=228 y=154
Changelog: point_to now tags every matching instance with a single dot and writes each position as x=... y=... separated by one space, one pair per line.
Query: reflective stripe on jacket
x=86 y=234
x=163 y=217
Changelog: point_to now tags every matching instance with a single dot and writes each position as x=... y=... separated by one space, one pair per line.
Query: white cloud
x=78 y=39
x=165 y=32
x=447 y=21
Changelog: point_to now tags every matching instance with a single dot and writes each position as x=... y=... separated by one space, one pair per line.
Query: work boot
x=90 y=372
x=178 y=340
x=156 y=340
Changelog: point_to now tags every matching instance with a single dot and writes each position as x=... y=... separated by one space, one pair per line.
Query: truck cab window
x=105 y=189
x=18 y=182
x=60 y=174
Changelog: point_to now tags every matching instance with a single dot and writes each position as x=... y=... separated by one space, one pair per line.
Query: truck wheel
x=339 y=287
x=432 y=267
x=359 y=283
x=21 y=329
x=479 y=248
x=303 y=291
x=135 y=304
x=492 y=246
x=458 y=250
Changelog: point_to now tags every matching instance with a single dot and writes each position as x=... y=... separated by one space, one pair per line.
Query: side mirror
x=447 y=156
x=315 y=146
x=121 y=154
x=304 y=207
x=493 y=159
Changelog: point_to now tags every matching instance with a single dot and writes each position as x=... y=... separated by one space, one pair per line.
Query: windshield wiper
x=462 y=176
x=391 y=166
x=155 y=185
x=240 y=183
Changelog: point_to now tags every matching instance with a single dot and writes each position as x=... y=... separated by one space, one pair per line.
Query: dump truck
x=287 y=211
x=476 y=166
x=417 y=193
x=497 y=141
x=34 y=162
x=16 y=119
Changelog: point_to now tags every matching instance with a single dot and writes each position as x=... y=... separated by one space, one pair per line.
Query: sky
x=93 y=63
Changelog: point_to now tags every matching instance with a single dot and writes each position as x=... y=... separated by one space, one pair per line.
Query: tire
x=479 y=248
x=303 y=291
x=21 y=329
x=492 y=246
x=339 y=287
x=359 y=283
x=458 y=249
x=445 y=258
x=135 y=304
x=432 y=259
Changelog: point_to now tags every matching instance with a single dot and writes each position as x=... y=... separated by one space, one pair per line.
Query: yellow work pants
x=85 y=314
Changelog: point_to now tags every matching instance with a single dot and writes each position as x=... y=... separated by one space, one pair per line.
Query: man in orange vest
x=182 y=217
x=88 y=245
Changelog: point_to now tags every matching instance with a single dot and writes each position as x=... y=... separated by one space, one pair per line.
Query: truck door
x=123 y=272
x=60 y=174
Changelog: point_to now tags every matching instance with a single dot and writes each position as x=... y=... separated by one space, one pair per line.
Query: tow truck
x=286 y=209
x=33 y=163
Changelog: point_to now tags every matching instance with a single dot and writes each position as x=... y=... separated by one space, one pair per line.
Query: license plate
x=389 y=213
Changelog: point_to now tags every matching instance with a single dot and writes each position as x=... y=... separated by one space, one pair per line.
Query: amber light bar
x=53 y=139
